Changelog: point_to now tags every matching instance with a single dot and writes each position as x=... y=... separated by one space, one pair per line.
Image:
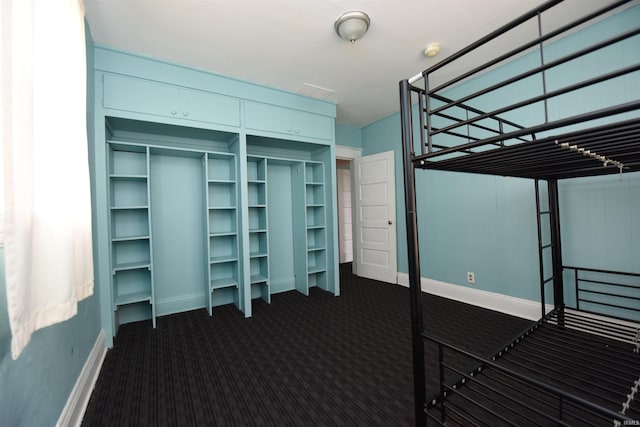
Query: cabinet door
x=209 y=107
x=271 y=118
x=144 y=96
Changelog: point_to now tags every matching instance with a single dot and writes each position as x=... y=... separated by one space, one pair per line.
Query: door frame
x=349 y=153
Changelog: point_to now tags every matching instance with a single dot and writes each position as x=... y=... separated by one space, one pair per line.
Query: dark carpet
x=300 y=361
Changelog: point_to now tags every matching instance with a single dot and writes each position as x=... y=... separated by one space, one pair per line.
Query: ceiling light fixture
x=352 y=25
x=432 y=50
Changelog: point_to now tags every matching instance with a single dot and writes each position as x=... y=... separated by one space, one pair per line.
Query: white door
x=375 y=205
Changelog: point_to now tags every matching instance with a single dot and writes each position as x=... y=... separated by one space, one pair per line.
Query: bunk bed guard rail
x=541 y=132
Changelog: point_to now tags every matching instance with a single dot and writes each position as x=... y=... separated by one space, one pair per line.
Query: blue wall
x=477 y=223
x=487 y=224
x=600 y=225
x=35 y=388
x=348 y=136
x=5 y=330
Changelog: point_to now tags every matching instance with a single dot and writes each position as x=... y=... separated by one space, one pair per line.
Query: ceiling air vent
x=314 y=91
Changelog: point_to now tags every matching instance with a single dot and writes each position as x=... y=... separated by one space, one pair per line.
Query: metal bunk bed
x=578 y=365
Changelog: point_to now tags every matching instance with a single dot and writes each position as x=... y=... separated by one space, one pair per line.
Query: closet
x=199 y=218
x=294 y=183
x=208 y=191
x=174 y=222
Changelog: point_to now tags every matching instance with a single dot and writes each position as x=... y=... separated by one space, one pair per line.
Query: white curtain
x=47 y=224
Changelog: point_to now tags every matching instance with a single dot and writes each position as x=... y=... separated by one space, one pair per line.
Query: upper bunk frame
x=535 y=135
x=540 y=134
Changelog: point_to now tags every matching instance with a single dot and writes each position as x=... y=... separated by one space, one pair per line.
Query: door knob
x=390 y=222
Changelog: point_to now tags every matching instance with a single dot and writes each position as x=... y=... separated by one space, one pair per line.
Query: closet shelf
x=222 y=259
x=258 y=254
x=258 y=278
x=128 y=177
x=116 y=208
x=222 y=233
x=228 y=282
x=132 y=298
x=221 y=208
x=130 y=238
x=132 y=266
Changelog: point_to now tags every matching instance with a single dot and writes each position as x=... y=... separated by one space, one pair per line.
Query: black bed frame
x=454 y=135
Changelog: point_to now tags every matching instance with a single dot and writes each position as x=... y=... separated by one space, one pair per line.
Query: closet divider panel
x=130 y=236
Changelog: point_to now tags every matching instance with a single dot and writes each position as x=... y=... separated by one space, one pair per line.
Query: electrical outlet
x=471 y=277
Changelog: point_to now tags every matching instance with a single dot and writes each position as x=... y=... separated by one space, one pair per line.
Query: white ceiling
x=286 y=43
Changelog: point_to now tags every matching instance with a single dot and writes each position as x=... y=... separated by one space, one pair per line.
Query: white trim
x=344 y=152
x=506 y=304
x=347 y=153
x=79 y=398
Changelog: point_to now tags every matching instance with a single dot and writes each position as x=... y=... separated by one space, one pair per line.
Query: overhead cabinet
x=294 y=123
x=159 y=99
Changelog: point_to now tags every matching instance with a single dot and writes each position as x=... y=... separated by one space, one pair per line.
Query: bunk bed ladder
x=544 y=245
x=549 y=251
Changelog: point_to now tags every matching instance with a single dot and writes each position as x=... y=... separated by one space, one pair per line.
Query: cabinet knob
x=185 y=113
x=174 y=112
x=296 y=131
x=289 y=130
x=389 y=222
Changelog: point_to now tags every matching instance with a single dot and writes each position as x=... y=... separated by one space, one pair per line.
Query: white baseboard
x=79 y=398
x=513 y=306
